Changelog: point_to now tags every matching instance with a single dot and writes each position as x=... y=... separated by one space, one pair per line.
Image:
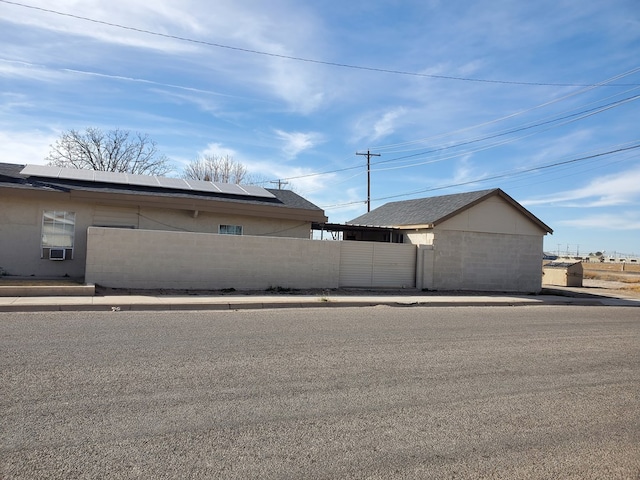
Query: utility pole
x=280 y=183
x=368 y=155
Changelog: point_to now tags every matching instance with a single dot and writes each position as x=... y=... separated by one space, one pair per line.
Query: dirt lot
x=624 y=278
x=612 y=267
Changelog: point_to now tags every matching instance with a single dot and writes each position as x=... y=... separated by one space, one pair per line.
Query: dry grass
x=612 y=277
x=611 y=267
x=614 y=273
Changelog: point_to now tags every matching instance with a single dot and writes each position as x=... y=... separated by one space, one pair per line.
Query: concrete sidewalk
x=327 y=299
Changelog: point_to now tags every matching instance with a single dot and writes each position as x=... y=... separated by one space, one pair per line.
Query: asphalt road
x=380 y=392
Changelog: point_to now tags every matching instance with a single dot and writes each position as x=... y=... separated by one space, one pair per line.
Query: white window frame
x=58 y=232
x=230 y=229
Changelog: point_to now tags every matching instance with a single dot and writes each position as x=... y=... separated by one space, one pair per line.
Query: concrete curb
x=122 y=303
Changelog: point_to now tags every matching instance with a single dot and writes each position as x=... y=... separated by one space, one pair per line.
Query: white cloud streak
x=295 y=143
x=623 y=221
x=617 y=189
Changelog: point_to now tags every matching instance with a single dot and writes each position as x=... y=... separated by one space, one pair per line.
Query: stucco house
x=482 y=240
x=46 y=211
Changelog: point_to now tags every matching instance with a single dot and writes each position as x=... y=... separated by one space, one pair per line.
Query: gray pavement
x=377 y=393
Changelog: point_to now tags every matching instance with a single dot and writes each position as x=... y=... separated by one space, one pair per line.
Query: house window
x=58 y=231
x=230 y=230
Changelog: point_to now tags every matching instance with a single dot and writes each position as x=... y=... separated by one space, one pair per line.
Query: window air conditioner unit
x=57 y=254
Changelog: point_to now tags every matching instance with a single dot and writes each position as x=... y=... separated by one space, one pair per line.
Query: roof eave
x=424 y=226
x=203 y=205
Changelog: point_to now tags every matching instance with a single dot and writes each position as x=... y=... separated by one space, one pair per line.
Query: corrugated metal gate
x=374 y=264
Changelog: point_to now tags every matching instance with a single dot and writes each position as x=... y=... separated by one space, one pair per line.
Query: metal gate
x=376 y=264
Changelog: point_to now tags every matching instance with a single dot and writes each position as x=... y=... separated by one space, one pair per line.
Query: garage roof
x=434 y=210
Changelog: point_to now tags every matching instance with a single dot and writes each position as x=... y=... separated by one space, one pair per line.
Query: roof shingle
x=421 y=211
x=433 y=210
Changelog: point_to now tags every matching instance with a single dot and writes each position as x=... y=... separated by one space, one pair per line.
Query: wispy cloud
x=376 y=125
x=25 y=146
x=295 y=143
x=298 y=178
x=31 y=71
x=624 y=220
x=299 y=89
x=386 y=125
x=610 y=190
x=220 y=150
x=71 y=19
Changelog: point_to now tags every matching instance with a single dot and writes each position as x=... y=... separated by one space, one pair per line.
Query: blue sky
x=540 y=98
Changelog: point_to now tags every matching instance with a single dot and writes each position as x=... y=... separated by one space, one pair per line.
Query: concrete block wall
x=486 y=261
x=424 y=267
x=199 y=261
x=180 y=260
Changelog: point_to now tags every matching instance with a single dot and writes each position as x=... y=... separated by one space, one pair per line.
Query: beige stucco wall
x=494 y=215
x=486 y=261
x=21 y=235
x=207 y=222
x=179 y=260
x=420 y=236
x=21 y=228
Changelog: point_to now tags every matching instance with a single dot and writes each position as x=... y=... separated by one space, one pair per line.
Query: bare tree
x=214 y=168
x=113 y=151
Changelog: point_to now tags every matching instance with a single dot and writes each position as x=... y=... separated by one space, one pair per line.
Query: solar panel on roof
x=178 y=183
x=256 y=191
x=143 y=180
x=202 y=186
x=98 y=176
x=77 y=174
x=111 y=177
x=230 y=188
x=41 y=171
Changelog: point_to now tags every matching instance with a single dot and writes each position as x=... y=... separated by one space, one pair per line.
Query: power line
x=582 y=114
x=493 y=177
x=568 y=118
x=608 y=81
x=303 y=59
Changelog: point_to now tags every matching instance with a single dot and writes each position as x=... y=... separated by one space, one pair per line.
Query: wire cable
x=608 y=81
x=492 y=177
x=303 y=59
x=583 y=113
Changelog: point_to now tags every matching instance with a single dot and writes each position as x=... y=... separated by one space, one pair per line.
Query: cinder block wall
x=179 y=260
x=130 y=258
x=486 y=261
